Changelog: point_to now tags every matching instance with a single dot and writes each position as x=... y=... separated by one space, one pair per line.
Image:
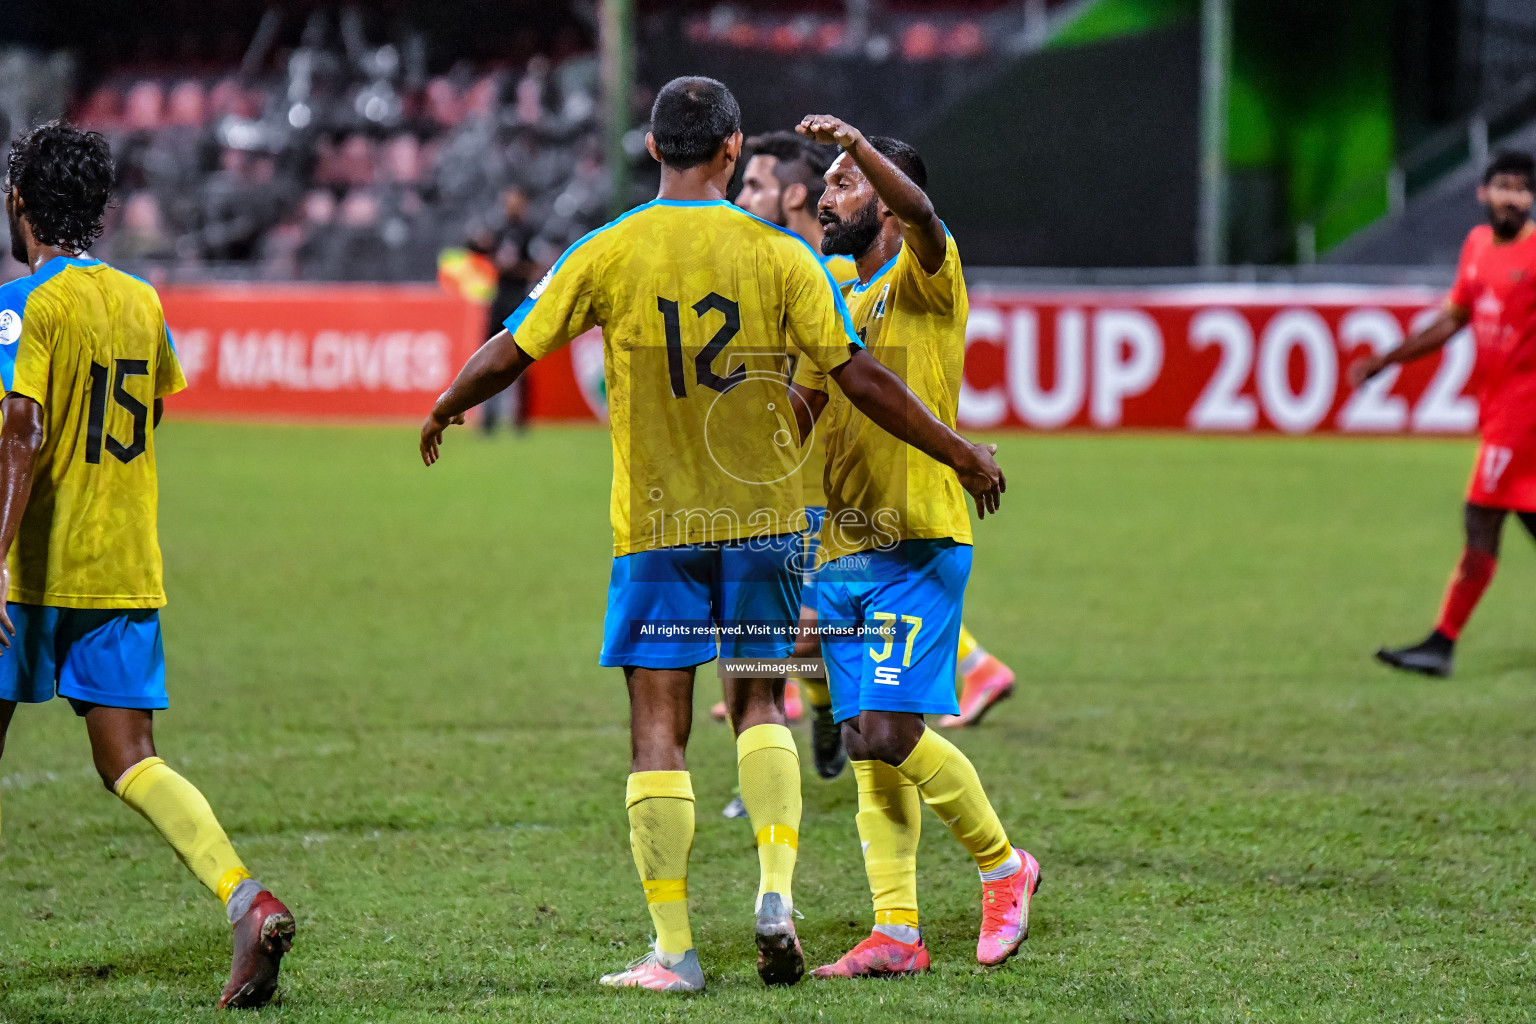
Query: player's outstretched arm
x=1441 y=330
x=21 y=435
x=885 y=398
x=491 y=370
x=920 y=225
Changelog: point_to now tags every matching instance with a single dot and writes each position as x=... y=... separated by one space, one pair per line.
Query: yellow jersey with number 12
x=89 y=344
x=700 y=304
x=879 y=489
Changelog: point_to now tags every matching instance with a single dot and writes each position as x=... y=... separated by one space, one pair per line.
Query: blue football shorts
x=682 y=606
x=890 y=625
x=108 y=656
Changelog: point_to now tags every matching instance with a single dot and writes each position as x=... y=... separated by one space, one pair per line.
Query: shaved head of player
x=701 y=305
x=1494 y=292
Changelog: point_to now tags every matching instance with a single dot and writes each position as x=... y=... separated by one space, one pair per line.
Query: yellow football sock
x=661 y=838
x=890 y=820
x=181 y=814
x=948 y=783
x=769 y=769
x=968 y=644
x=817 y=693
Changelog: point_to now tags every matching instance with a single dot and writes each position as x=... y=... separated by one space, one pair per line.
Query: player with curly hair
x=86 y=361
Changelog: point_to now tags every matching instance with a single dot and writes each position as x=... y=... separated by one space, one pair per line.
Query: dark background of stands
x=324 y=145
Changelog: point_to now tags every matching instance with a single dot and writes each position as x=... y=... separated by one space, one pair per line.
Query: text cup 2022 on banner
x=1209 y=358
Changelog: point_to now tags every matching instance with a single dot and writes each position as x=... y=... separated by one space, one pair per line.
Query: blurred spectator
x=187 y=105
x=530 y=91
x=351 y=164
x=141 y=235
x=142 y=107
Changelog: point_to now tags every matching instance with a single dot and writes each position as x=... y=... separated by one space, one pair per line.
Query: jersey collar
x=864 y=286
x=58 y=263
x=690 y=202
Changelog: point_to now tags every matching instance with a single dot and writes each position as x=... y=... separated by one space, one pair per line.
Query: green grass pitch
x=385 y=680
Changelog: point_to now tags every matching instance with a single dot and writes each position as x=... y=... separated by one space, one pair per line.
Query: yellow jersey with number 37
x=699 y=304
x=879 y=489
x=89 y=344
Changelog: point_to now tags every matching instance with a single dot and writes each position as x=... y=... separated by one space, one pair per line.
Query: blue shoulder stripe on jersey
x=837 y=293
x=513 y=322
x=13 y=303
x=864 y=287
x=860 y=287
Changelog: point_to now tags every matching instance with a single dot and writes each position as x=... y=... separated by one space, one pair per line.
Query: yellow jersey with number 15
x=879 y=489
x=89 y=344
x=699 y=303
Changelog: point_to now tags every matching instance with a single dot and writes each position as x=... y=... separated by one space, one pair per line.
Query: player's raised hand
x=432 y=435
x=1363 y=369
x=825 y=128
x=983 y=478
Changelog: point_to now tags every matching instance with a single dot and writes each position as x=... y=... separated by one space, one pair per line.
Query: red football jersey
x=1496 y=284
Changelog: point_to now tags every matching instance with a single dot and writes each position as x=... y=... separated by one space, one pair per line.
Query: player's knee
x=1483 y=527
x=890 y=737
x=753 y=702
x=853 y=742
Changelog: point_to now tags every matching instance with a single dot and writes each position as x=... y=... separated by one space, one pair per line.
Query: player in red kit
x=1495 y=291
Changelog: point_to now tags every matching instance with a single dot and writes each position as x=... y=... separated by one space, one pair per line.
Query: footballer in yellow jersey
x=782 y=182
x=895 y=557
x=85 y=360
x=700 y=305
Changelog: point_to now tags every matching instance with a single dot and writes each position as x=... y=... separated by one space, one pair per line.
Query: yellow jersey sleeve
x=816 y=316
x=561 y=306
x=808 y=374
x=934 y=292
x=34 y=354
x=168 y=376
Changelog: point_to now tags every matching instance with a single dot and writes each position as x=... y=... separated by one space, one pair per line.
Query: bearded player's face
x=849 y=211
x=1507 y=198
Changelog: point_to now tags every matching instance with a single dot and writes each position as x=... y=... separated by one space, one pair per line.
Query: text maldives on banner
x=1214 y=358
x=318 y=353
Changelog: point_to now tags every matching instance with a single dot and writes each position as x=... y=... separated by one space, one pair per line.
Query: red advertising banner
x=318 y=353
x=1206 y=358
